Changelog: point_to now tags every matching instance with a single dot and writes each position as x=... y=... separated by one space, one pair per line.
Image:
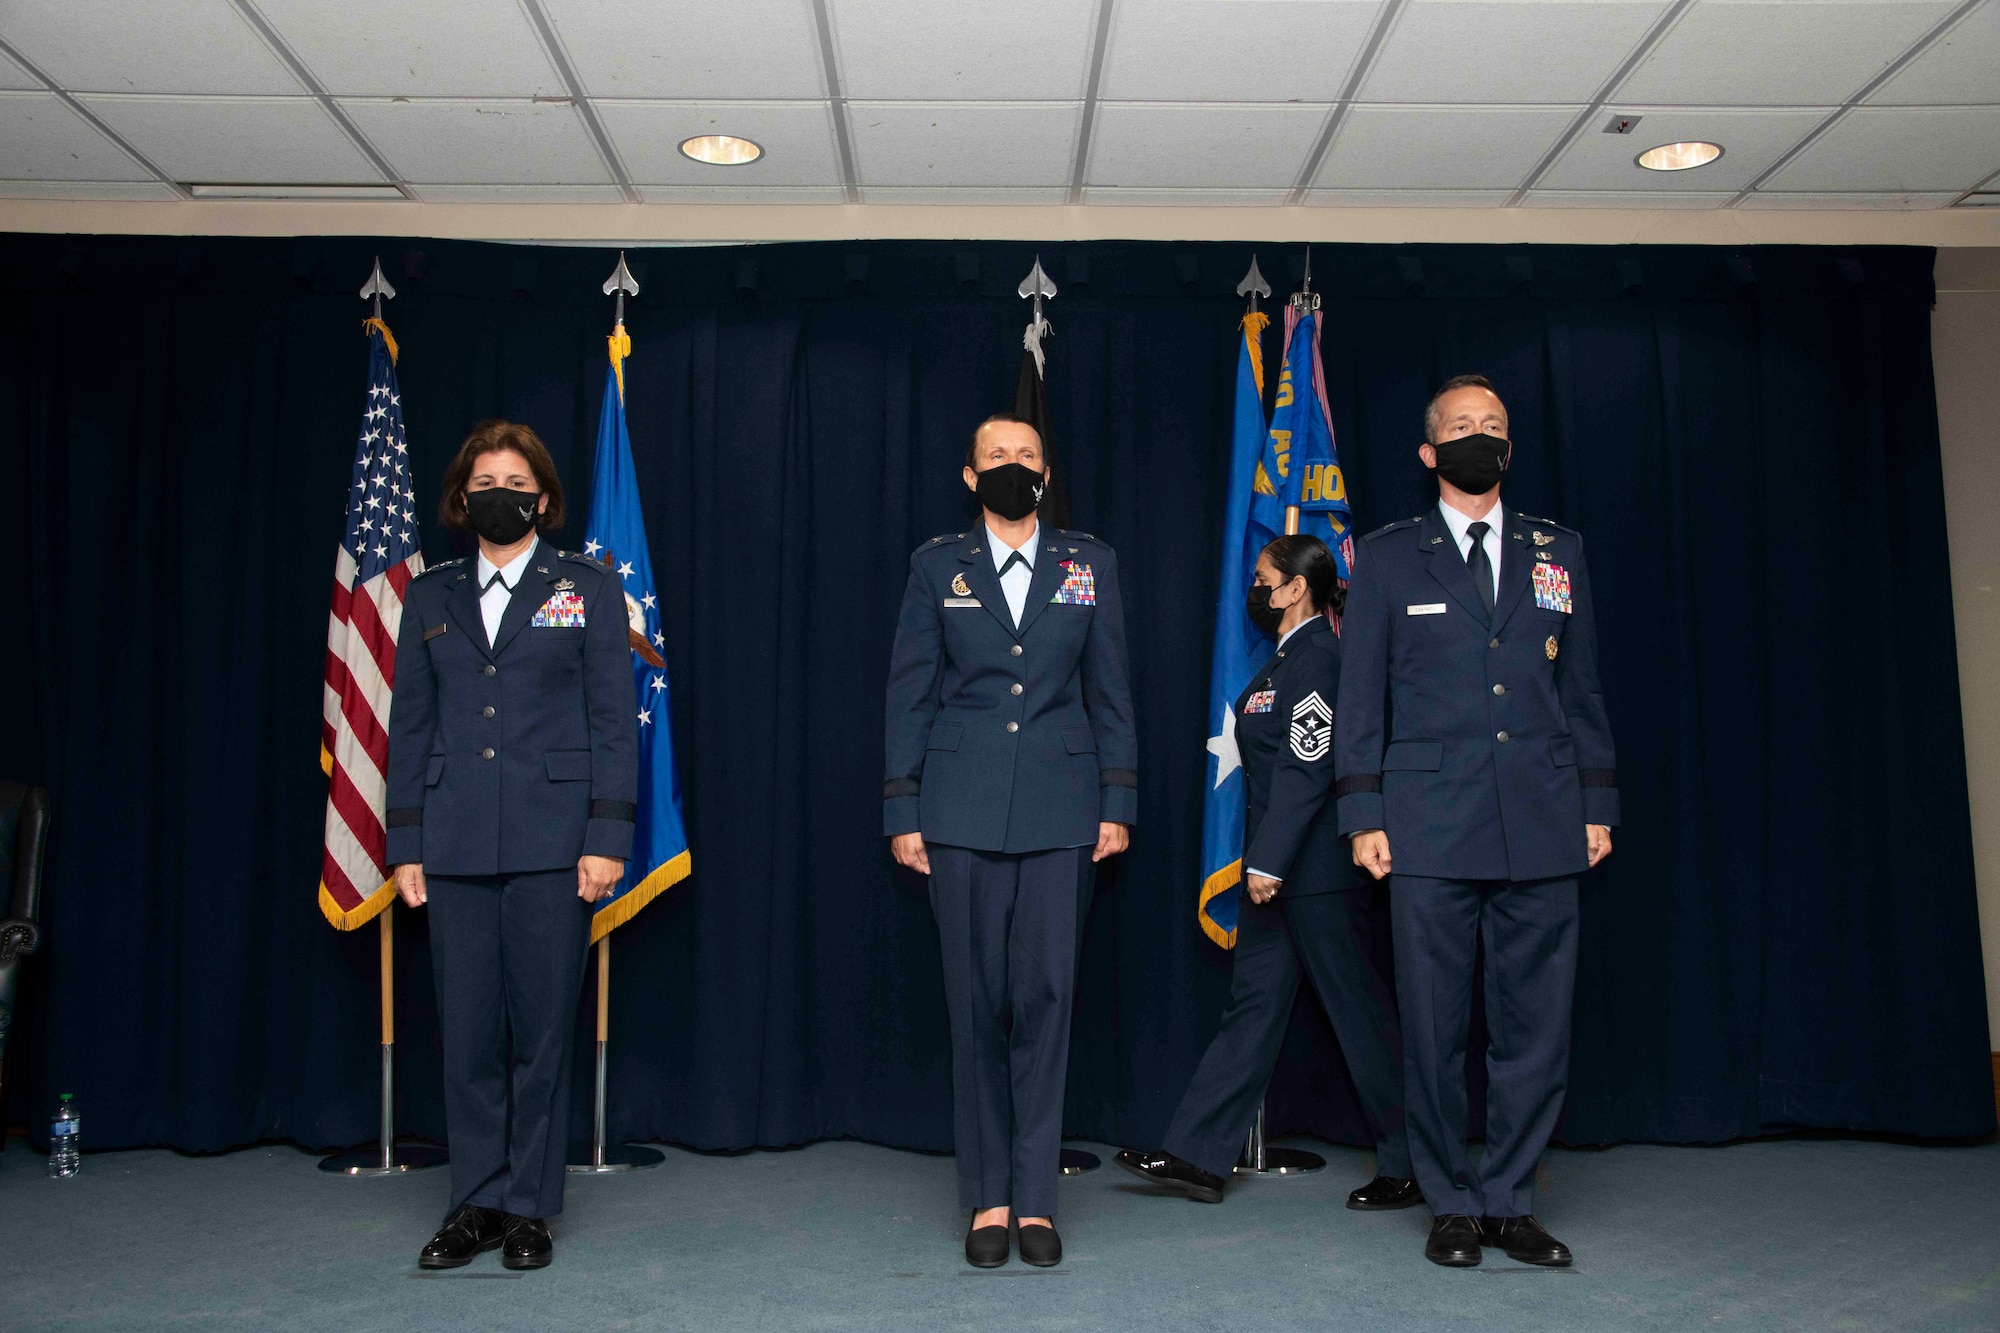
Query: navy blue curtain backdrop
x=1785 y=937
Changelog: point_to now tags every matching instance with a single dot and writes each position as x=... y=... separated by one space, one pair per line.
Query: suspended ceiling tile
x=1789 y=53
x=1440 y=148
x=1409 y=198
x=152 y=191
x=1209 y=145
x=964 y=143
x=41 y=139
x=237 y=140
x=159 y=46
x=520 y=194
x=1751 y=141
x=1626 y=199
x=483 y=142
x=911 y=194
x=1898 y=149
x=1510 y=51
x=748 y=49
x=1116 y=194
x=963 y=50
x=1960 y=68
x=1202 y=51
x=395 y=48
x=1869 y=202
x=797 y=139
x=745 y=194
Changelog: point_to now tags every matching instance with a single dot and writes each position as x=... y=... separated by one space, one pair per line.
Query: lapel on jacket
x=1049 y=575
x=1517 y=561
x=462 y=605
x=1447 y=564
x=975 y=554
x=530 y=593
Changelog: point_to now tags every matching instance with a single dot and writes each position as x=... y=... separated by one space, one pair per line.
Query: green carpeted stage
x=1815 y=1234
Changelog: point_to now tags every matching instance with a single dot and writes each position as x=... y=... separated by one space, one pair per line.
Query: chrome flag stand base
x=1260 y=1159
x=387 y=1157
x=604 y=1161
x=1075 y=1161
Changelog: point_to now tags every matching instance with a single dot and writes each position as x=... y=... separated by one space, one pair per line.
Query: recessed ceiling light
x=721 y=150
x=1679 y=156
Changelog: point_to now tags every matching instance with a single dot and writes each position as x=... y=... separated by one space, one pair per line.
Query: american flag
x=378 y=557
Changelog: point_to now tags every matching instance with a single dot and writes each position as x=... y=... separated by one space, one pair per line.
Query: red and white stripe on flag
x=378 y=557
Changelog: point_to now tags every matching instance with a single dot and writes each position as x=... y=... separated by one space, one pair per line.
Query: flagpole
x=1260 y=1158
x=385 y=1158
x=606 y=1159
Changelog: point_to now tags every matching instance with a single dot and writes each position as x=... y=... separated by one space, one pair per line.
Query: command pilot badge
x=1550 y=648
x=959 y=587
x=1312 y=728
x=1542 y=538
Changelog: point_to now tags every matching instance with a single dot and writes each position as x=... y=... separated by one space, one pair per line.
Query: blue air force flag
x=1240 y=647
x=1300 y=465
x=617 y=536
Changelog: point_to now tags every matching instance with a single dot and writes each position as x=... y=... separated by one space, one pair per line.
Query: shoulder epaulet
x=581 y=558
x=1546 y=522
x=1391 y=527
x=442 y=564
x=940 y=540
x=1077 y=536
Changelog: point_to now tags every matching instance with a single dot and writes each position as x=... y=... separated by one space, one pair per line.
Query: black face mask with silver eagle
x=1011 y=490
x=502 y=516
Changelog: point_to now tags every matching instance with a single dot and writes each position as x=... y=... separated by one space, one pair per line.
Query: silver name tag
x=1426 y=609
x=974 y=601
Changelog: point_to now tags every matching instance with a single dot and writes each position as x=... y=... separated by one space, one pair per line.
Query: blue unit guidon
x=1552 y=588
x=1079 y=586
x=562 y=611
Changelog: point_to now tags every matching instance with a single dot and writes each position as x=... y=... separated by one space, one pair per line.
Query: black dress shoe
x=1040 y=1246
x=1163 y=1168
x=528 y=1244
x=469 y=1231
x=1454 y=1241
x=986 y=1247
x=1383 y=1193
x=1525 y=1240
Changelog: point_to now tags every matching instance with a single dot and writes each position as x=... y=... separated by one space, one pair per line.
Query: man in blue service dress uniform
x=1011 y=769
x=512 y=788
x=1471 y=742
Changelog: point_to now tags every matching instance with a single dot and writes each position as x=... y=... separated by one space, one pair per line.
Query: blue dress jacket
x=525 y=755
x=1284 y=734
x=1003 y=739
x=1481 y=747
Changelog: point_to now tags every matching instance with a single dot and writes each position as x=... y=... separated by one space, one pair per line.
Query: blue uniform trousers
x=1009 y=925
x=508 y=953
x=1529 y=930
x=1342 y=938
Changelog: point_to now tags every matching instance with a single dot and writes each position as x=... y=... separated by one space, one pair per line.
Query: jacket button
x=487 y=753
x=1497 y=689
x=1013 y=726
x=1493 y=643
x=490 y=670
x=1017 y=687
x=1016 y=650
x=488 y=710
x=1502 y=738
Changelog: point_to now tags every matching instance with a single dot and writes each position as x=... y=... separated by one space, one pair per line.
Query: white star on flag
x=1223 y=747
x=645 y=717
x=659 y=682
x=647 y=601
x=624 y=570
x=592 y=548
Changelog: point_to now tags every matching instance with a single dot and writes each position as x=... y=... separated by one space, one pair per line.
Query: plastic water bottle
x=65 y=1140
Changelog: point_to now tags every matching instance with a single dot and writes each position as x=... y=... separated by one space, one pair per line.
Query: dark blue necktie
x=1481 y=566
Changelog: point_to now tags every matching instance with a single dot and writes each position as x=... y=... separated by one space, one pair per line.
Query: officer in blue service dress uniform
x=1303 y=904
x=1471 y=741
x=513 y=781
x=1011 y=770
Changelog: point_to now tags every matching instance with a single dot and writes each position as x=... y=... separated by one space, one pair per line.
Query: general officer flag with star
x=616 y=535
x=1240 y=648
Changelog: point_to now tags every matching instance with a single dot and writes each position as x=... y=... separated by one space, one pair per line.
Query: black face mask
x=1011 y=490
x=502 y=516
x=1257 y=606
x=1473 y=463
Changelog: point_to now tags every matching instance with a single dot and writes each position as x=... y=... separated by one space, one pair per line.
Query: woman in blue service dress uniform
x=1011 y=770
x=1304 y=904
x=513 y=781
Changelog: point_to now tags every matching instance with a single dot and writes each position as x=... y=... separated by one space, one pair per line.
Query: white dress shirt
x=1252 y=870
x=1014 y=583
x=1459 y=523
x=493 y=600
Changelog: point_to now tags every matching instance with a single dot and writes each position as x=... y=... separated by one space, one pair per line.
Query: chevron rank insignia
x=562 y=611
x=1312 y=728
x=1079 y=588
